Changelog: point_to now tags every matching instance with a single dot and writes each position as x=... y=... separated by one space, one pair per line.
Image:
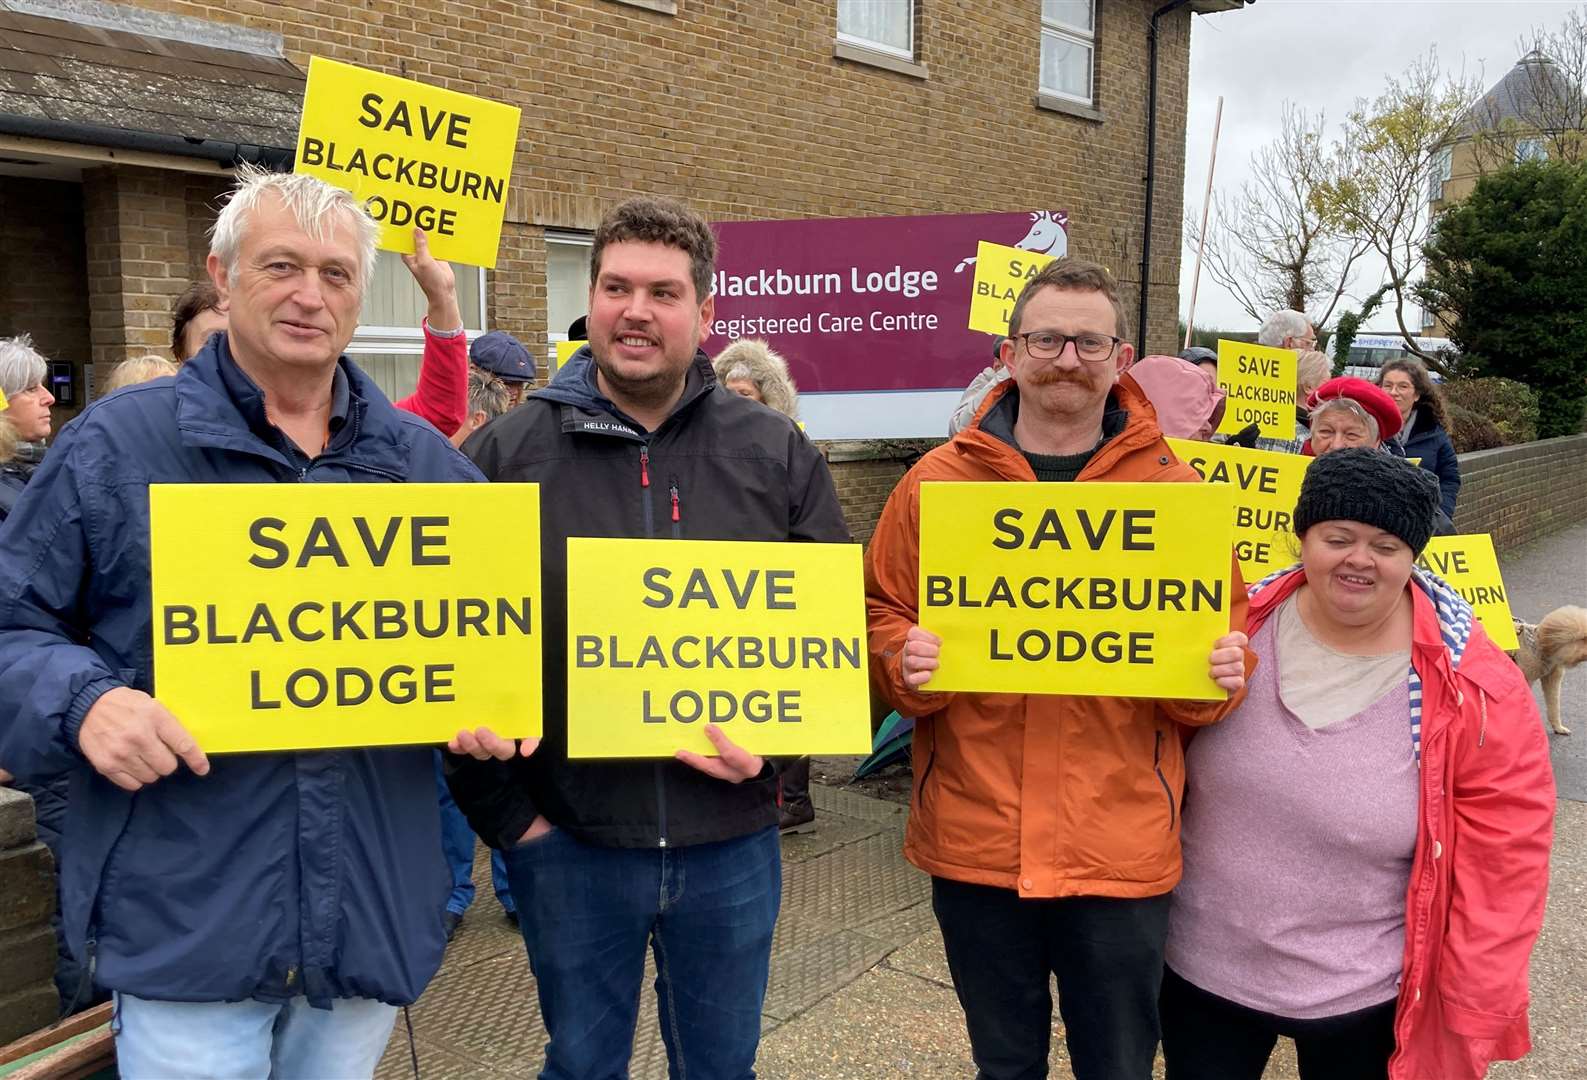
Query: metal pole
x=1206 y=206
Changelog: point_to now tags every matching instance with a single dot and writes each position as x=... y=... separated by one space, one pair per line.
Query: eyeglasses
x=1049 y=345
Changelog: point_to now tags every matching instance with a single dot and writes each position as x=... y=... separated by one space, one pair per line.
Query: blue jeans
x=243 y=1040
x=707 y=912
x=457 y=843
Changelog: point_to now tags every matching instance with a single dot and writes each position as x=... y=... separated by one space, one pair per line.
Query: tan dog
x=1548 y=650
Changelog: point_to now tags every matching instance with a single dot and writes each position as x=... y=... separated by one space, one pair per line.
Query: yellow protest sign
x=766 y=640
x=1098 y=589
x=418 y=156
x=566 y=349
x=1000 y=274
x=1266 y=486
x=326 y=615
x=1260 y=383
x=1470 y=565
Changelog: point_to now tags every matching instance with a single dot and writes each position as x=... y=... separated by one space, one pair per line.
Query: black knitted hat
x=1372 y=487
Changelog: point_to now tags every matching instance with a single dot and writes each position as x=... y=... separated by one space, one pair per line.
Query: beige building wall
x=743 y=108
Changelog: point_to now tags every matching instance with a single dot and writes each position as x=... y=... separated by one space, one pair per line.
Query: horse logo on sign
x=1048 y=235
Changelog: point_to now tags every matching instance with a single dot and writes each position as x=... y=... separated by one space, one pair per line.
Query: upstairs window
x=1530 y=150
x=1443 y=167
x=1068 y=49
x=885 y=26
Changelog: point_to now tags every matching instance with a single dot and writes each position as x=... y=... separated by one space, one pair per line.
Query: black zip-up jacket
x=721 y=467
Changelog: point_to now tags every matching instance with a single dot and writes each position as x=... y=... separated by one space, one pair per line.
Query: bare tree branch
x=1382 y=169
x=1275 y=243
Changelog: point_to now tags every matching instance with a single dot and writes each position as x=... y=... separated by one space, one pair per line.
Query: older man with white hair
x=255 y=914
x=1291 y=330
x=1287 y=330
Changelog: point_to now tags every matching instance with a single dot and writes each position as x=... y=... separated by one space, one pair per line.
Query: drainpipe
x=1151 y=166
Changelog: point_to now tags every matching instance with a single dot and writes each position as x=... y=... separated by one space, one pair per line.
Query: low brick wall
x=1516 y=493
x=1520 y=493
x=28 y=1000
x=866 y=471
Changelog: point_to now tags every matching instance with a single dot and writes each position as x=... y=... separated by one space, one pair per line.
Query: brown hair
x=198 y=298
x=1075 y=274
x=1426 y=390
x=655 y=220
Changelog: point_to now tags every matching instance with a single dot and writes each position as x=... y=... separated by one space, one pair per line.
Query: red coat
x=1479 y=877
x=442 y=394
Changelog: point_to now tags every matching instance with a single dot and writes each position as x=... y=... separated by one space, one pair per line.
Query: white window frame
x=558 y=236
x=879 y=46
x=409 y=340
x=1065 y=32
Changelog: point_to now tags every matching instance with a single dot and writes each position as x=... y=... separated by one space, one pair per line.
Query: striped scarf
x=1454 y=625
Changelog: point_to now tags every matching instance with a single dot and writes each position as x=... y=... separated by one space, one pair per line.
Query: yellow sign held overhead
x=1266 y=484
x=766 y=640
x=1100 y=589
x=1000 y=274
x=1260 y=383
x=1471 y=567
x=336 y=615
x=417 y=156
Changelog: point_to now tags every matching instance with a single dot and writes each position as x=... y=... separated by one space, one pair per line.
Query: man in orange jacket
x=1049 y=824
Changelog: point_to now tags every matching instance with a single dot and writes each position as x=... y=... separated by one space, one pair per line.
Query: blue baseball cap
x=504 y=356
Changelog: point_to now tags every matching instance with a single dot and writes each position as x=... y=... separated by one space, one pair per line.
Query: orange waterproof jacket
x=1052 y=796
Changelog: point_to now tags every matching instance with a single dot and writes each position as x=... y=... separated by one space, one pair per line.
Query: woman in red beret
x=1350 y=412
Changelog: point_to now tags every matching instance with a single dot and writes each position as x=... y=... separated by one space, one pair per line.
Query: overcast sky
x=1323 y=55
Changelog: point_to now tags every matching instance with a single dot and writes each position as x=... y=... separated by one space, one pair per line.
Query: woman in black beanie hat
x=1366 y=836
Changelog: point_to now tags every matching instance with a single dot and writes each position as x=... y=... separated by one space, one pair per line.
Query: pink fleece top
x=1297 y=848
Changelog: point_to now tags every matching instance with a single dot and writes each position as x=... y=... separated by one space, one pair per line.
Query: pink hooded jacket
x=1185 y=397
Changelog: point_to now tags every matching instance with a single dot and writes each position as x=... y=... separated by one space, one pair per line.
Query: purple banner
x=857 y=304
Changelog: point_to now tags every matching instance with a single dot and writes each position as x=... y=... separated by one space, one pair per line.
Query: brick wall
x=28 y=1000
x=742 y=107
x=44 y=275
x=140 y=257
x=1519 y=493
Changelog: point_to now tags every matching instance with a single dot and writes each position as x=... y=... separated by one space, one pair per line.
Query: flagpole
x=1206 y=206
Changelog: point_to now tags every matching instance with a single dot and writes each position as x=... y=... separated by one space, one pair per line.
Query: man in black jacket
x=635 y=438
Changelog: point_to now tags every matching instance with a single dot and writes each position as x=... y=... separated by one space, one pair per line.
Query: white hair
x=1312 y=369
x=1354 y=408
x=139 y=369
x=1281 y=325
x=21 y=366
x=314 y=203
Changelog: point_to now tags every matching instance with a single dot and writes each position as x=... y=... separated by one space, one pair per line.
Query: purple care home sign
x=872 y=314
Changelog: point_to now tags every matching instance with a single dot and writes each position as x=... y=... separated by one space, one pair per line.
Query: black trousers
x=1107 y=955
x=1206 y=1037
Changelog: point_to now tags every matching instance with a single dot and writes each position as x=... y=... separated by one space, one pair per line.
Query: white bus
x=1369 y=352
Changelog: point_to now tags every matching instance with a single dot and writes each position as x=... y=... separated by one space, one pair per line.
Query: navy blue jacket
x=277 y=874
x=1429 y=441
x=720 y=467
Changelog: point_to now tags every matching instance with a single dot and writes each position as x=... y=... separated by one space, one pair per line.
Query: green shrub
x=1511 y=407
x=1472 y=431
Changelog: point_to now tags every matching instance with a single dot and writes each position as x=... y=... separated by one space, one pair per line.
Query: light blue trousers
x=250 y=1040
